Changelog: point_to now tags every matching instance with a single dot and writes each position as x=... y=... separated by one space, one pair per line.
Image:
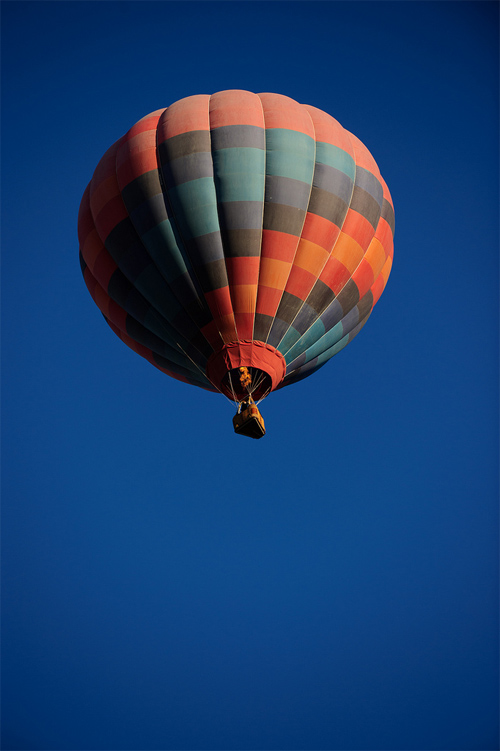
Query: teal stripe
x=325 y=356
x=240 y=187
x=315 y=341
x=308 y=339
x=316 y=348
x=290 y=154
x=154 y=288
x=291 y=337
x=239 y=174
x=195 y=207
x=162 y=246
x=333 y=156
x=153 y=322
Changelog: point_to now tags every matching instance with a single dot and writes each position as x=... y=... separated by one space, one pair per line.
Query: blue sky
x=167 y=584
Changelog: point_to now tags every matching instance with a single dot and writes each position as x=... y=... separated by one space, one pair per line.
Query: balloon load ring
x=247 y=372
x=266 y=366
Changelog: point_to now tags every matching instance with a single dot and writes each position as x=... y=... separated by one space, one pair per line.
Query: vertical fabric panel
x=185 y=156
x=140 y=186
x=109 y=281
x=238 y=145
x=290 y=154
x=332 y=190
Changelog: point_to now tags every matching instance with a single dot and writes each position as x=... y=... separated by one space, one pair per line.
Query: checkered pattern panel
x=236 y=217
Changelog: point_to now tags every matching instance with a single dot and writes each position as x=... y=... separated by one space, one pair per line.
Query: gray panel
x=124 y=293
x=144 y=336
x=261 y=326
x=302 y=372
x=278 y=331
x=240 y=243
x=198 y=379
x=230 y=136
x=284 y=219
x=211 y=275
x=187 y=168
x=142 y=188
x=365 y=304
x=288 y=307
x=305 y=318
x=241 y=214
x=348 y=297
x=205 y=249
x=122 y=237
x=333 y=181
x=332 y=315
x=328 y=206
x=287 y=191
x=183 y=144
x=350 y=320
x=366 y=205
x=388 y=214
x=149 y=214
x=358 y=328
x=320 y=296
x=367 y=181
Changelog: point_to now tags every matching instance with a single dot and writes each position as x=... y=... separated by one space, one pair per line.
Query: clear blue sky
x=167 y=584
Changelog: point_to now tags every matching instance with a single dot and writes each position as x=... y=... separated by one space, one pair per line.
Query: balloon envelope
x=234 y=230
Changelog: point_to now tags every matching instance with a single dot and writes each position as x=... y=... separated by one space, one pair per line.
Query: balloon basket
x=249 y=422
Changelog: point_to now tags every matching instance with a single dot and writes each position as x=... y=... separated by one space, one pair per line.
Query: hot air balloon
x=237 y=242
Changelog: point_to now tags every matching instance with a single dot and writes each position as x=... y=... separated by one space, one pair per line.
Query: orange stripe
x=348 y=252
x=235 y=108
x=300 y=282
x=320 y=231
x=91 y=247
x=380 y=282
x=387 y=194
x=112 y=214
x=268 y=300
x=282 y=112
x=90 y=281
x=359 y=228
x=102 y=192
x=384 y=234
x=226 y=328
x=148 y=122
x=211 y=334
x=328 y=130
x=243 y=297
x=278 y=245
x=219 y=301
x=244 y=324
x=243 y=270
x=104 y=268
x=377 y=288
x=85 y=220
x=375 y=256
x=274 y=273
x=183 y=116
x=136 y=156
x=363 y=277
x=335 y=275
x=310 y=257
x=386 y=269
x=363 y=157
x=102 y=300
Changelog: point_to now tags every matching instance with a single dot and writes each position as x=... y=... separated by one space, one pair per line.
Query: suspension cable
x=232 y=389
